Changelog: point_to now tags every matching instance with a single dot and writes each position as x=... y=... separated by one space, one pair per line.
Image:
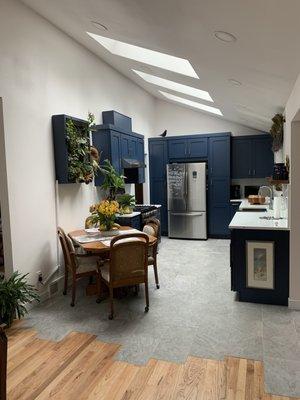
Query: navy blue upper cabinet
x=186 y=148
x=262 y=157
x=177 y=148
x=241 y=159
x=219 y=185
x=252 y=157
x=115 y=145
x=158 y=160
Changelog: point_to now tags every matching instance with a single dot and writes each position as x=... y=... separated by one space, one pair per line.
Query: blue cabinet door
x=262 y=157
x=141 y=157
x=234 y=207
x=133 y=145
x=197 y=147
x=158 y=186
x=219 y=186
x=241 y=158
x=115 y=151
x=125 y=146
x=177 y=148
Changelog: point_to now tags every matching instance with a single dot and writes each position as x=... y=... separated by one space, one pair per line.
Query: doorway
x=6 y=258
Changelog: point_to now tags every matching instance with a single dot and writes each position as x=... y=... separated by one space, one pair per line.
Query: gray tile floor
x=193 y=313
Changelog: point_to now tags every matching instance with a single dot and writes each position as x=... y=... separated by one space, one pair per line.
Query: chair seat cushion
x=86 y=264
x=105 y=271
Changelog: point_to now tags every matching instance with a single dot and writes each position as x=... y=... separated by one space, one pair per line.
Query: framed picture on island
x=260 y=265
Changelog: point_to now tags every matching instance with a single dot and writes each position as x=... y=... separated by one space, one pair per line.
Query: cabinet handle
x=254 y=171
x=190 y=150
x=249 y=172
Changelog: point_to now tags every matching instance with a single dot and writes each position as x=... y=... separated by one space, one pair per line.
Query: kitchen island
x=259 y=257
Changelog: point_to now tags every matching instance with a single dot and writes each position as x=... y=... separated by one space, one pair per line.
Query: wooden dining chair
x=78 y=264
x=153 y=228
x=127 y=265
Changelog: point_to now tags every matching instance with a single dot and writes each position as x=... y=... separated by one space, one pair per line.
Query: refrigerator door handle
x=192 y=214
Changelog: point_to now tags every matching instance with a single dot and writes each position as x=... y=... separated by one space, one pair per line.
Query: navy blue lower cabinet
x=240 y=264
x=135 y=221
x=234 y=207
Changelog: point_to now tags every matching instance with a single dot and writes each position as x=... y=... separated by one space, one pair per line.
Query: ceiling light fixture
x=178 y=87
x=191 y=103
x=234 y=82
x=225 y=36
x=100 y=26
x=146 y=56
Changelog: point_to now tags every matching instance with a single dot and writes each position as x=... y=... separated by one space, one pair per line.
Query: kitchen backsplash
x=248 y=182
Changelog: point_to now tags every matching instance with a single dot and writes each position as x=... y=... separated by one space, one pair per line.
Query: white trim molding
x=294 y=304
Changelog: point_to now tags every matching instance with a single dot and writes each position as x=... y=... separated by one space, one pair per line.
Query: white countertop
x=252 y=220
x=133 y=214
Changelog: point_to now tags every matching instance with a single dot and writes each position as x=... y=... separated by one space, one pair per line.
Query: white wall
x=291 y=148
x=44 y=72
x=181 y=120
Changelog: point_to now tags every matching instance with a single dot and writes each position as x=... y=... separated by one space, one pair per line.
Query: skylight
x=151 y=57
x=191 y=103
x=178 y=87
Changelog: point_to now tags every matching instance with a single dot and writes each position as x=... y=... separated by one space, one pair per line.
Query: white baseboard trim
x=294 y=304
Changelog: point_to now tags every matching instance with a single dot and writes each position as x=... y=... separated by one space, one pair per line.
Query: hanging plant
x=83 y=160
x=276 y=132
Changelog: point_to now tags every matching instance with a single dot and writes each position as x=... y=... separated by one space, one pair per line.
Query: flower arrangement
x=104 y=214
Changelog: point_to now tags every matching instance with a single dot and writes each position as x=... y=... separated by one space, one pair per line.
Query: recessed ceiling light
x=178 y=87
x=225 y=36
x=191 y=103
x=100 y=26
x=146 y=56
x=234 y=82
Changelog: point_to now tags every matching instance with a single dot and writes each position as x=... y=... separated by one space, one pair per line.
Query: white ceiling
x=265 y=58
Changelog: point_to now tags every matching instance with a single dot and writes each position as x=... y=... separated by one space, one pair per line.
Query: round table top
x=99 y=246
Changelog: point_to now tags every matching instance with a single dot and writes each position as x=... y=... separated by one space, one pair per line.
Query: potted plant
x=113 y=182
x=126 y=202
x=104 y=215
x=15 y=293
x=83 y=160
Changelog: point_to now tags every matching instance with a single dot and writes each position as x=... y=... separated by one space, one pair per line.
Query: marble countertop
x=253 y=220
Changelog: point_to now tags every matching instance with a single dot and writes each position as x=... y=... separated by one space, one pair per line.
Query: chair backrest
x=152 y=227
x=68 y=249
x=128 y=257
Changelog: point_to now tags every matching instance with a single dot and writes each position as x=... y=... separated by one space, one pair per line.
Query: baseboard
x=294 y=304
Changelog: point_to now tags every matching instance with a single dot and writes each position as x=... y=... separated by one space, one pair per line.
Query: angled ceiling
x=265 y=58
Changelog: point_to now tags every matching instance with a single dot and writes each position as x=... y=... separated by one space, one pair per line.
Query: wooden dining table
x=98 y=246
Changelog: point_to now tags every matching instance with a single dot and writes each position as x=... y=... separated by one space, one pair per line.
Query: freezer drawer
x=191 y=225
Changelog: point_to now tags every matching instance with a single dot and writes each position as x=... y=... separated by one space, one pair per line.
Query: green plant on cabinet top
x=113 y=182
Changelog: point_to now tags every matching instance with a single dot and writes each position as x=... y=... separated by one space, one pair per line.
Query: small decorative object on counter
x=256 y=199
x=15 y=293
x=126 y=202
x=103 y=215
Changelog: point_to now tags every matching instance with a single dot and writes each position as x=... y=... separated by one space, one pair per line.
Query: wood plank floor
x=83 y=368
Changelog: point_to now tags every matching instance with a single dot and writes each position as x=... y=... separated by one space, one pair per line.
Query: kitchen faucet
x=261 y=190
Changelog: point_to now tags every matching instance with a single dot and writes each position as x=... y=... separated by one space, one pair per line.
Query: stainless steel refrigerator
x=187 y=200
